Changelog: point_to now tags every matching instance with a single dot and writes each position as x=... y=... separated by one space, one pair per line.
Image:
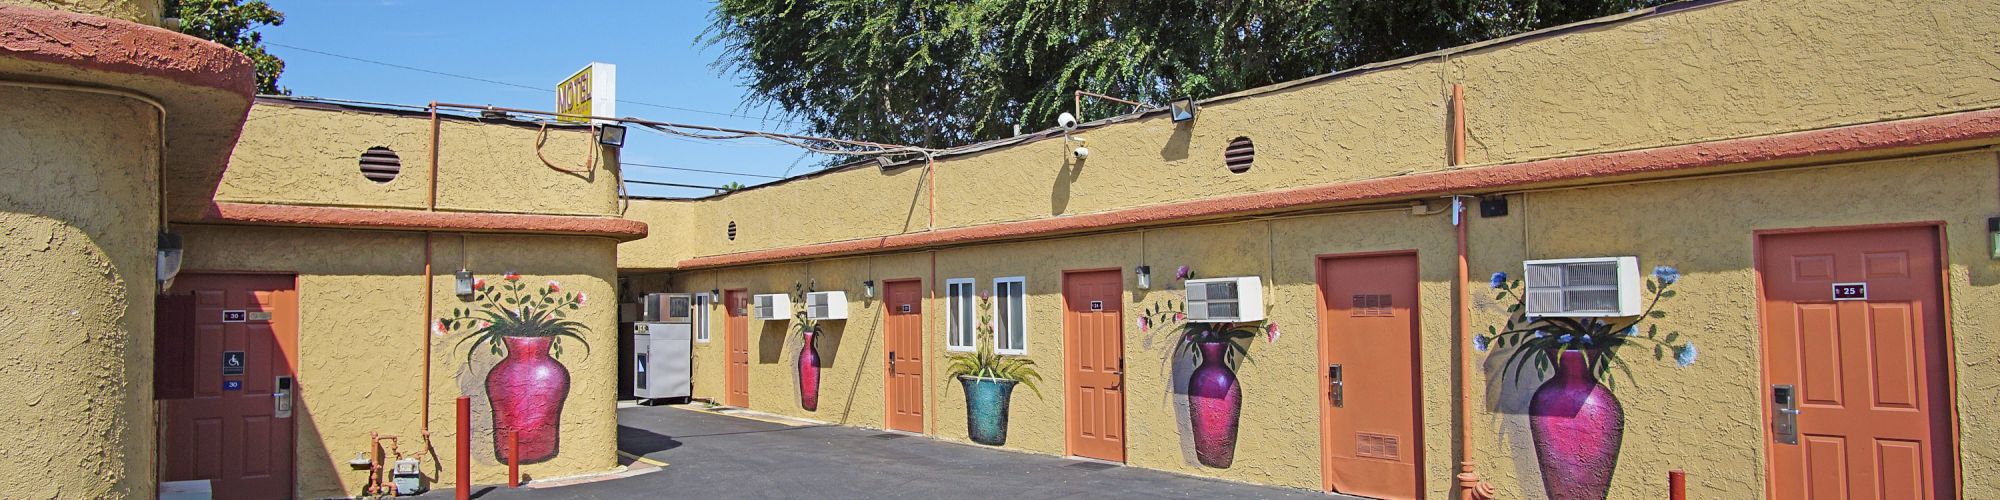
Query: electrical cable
x=670 y=184
x=516 y=85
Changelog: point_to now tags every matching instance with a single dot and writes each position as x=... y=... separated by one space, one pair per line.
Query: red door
x=736 y=335
x=228 y=352
x=904 y=329
x=1853 y=325
x=1368 y=366
x=1094 y=335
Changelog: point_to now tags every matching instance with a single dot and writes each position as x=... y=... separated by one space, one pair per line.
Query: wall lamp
x=1182 y=110
x=464 y=283
x=1145 y=275
x=611 y=135
x=169 y=258
x=868 y=289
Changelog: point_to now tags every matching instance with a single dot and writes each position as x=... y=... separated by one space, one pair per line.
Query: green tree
x=945 y=72
x=731 y=187
x=233 y=23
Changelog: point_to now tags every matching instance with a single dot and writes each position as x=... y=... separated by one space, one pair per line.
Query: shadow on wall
x=867 y=352
x=1067 y=175
x=1176 y=148
x=772 y=341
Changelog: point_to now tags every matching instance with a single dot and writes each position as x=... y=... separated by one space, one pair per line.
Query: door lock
x=1335 y=387
x=892 y=363
x=1784 y=414
x=281 y=399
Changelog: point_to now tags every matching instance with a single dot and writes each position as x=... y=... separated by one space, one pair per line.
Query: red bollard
x=1677 y=485
x=464 y=479
x=513 y=459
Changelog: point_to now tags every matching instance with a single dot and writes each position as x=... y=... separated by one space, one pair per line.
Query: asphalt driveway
x=720 y=456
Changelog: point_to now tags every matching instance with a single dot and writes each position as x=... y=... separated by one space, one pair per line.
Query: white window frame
x=702 y=302
x=957 y=290
x=1002 y=323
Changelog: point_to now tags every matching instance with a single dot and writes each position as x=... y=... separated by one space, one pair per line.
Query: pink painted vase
x=527 y=390
x=809 y=373
x=1578 y=427
x=1215 y=401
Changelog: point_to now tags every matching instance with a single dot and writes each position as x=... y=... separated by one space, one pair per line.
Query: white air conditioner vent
x=826 y=305
x=1225 y=300
x=1596 y=287
x=771 y=306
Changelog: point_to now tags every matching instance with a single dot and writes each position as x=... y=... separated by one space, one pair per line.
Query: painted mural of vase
x=809 y=373
x=986 y=401
x=527 y=390
x=1578 y=427
x=1215 y=401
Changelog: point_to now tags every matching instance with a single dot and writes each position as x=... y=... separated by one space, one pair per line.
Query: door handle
x=281 y=399
x=892 y=363
x=1336 y=388
x=1785 y=414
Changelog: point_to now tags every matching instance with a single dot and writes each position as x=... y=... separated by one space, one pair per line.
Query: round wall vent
x=1239 y=155
x=380 y=164
x=732 y=230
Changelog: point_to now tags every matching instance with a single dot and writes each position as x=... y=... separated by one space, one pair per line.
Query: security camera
x=1067 y=122
x=1081 y=152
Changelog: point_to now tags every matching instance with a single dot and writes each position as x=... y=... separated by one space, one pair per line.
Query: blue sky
x=537 y=44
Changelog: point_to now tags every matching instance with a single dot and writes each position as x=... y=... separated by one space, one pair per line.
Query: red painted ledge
x=117 y=46
x=257 y=214
x=1944 y=129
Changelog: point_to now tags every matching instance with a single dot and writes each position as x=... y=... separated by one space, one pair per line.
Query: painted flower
x=581 y=298
x=479 y=284
x=1499 y=280
x=1667 y=274
x=485 y=324
x=1540 y=334
x=554 y=286
x=1565 y=338
x=1180 y=316
x=1271 y=333
x=1145 y=323
x=1630 y=330
x=1588 y=341
x=1685 y=355
x=511 y=276
x=440 y=328
x=1481 y=342
x=1183 y=273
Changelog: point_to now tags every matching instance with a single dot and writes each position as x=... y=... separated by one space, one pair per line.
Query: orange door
x=228 y=361
x=904 y=329
x=736 y=334
x=1094 y=336
x=1368 y=367
x=1867 y=370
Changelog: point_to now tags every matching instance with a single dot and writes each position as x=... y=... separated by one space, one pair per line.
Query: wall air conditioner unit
x=771 y=306
x=1597 y=287
x=1225 y=300
x=826 y=305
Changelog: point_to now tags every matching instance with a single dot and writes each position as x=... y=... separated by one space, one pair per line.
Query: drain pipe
x=429 y=299
x=1469 y=484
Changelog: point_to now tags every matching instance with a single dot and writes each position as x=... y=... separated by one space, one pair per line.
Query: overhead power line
x=670 y=184
x=515 y=85
x=685 y=169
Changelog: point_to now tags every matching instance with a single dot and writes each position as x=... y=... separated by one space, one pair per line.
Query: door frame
x=1946 y=335
x=1124 y=415
x=298 y=376
x=1319 y=343
x=923 y=370
x=728 y=363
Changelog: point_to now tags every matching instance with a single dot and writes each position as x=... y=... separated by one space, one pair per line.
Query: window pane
x=1017 y=327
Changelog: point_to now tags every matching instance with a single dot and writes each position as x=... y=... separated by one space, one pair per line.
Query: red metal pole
x=513 y=459
x=1677 y=484
x=464 y=466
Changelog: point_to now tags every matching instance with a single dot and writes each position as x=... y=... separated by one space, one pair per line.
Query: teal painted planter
x=986 y=408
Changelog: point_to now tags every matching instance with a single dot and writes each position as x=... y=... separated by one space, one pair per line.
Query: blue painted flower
x=1565 y=338
x=1587 y=341
x=1667 y=274
x=1629 y=331
x=1481 y=342
x=1540 y=334
x=1685 y=355
x=1499 y=280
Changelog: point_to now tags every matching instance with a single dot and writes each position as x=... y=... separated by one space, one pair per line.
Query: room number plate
x=1850 y=291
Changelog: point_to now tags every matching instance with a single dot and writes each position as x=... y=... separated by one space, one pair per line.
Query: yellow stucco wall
x=1731 y=69
x=361 y=335
x=138 y=11
x=292 y=154
x=78 y=218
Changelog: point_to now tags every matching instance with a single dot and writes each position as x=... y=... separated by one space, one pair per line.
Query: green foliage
x=233 y=24
x=1539 y=341
x=511 y=309
x=1171 y=316
x=946 y=72
x=732 y=186
x=987 y=364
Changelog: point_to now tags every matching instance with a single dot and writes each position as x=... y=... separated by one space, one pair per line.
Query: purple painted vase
x=1578 y=427
x=527 y=390
x=809 y=374
x=1214 y=403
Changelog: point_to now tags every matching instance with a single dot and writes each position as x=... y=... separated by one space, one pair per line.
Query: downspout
x=1469 y=484
x=429 y=288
